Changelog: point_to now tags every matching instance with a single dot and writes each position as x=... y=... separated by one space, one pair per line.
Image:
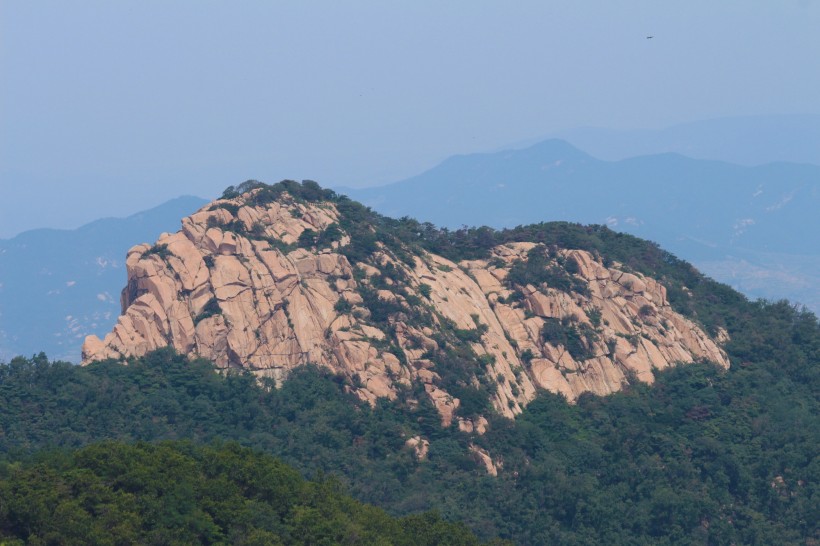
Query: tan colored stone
x=420 y=447
x=489 y=465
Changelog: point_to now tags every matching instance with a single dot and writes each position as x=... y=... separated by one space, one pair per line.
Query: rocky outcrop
x=420 y=447
x=269 y=287
x=491 y=466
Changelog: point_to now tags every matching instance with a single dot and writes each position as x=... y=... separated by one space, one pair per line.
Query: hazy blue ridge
x=755 y=228
x=745 y=140
x=58 y=286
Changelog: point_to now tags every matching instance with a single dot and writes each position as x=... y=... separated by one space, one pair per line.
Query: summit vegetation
x=712 y=304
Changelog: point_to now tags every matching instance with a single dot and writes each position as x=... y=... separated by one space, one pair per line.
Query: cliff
x=279 y=276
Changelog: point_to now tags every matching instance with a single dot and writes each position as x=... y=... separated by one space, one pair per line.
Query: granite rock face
x=268 y=287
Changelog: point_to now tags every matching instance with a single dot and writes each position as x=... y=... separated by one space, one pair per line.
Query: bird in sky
x=649 y=37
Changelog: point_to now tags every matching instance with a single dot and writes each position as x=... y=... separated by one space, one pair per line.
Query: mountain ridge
x=744 y=140
x=704 y=210
x=274 y=277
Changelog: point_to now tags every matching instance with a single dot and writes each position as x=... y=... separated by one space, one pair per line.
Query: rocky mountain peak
x=269 y=278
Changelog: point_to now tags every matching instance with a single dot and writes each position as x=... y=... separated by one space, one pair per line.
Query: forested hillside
x=176 y=493
x=702 y=456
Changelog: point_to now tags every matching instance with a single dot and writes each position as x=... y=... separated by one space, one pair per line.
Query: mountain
x=706 y=454
x=749 y=140
x=58 y=286
x=275 y=277
x=752 y=227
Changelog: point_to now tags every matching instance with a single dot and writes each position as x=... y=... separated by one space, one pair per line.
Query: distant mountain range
x=750 y=140
x=755 y=228
x=58 y=286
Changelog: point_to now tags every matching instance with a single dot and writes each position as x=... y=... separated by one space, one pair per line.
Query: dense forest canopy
x=702 y=456
x=176 y=493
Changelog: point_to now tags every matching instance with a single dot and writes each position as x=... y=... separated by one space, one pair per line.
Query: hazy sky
x=110 y=107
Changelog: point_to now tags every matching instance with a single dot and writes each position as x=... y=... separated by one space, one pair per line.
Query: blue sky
x=107 y=108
